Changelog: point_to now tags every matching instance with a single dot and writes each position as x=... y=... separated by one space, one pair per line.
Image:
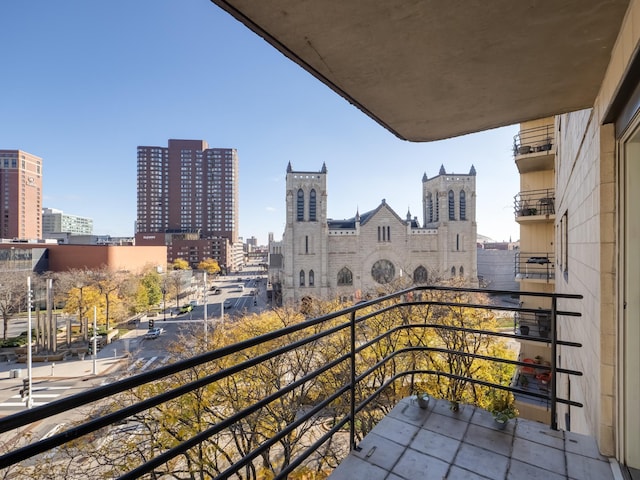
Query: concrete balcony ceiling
x=432 y=69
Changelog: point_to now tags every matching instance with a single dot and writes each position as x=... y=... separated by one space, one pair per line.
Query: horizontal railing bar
x=480 y=306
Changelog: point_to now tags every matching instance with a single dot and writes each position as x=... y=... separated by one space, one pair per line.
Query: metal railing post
x=352 y=399
x=554 y=356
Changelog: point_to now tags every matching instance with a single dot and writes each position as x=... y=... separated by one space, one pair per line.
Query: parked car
x=186 y=308
x=154 y=333
x=228 y=304
x=216 y=290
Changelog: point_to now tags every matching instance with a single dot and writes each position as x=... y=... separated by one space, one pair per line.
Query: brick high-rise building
x=188 y=200
x=21 y=195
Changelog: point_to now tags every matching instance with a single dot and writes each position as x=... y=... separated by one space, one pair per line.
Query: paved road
x=130 y=354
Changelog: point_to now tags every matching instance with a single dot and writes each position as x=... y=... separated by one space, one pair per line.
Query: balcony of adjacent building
x=534 y=149
x=534 y=206
x=538 y=267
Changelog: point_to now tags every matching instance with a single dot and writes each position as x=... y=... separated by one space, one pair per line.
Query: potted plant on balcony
x=423 y=399
x=502 y=407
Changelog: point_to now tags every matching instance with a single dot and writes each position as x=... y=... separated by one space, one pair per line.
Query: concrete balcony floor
x=436 y=443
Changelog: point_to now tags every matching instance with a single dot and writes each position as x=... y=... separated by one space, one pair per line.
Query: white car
x=154 y=333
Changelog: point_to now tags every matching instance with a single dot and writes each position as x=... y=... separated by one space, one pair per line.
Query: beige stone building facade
x=359 y=256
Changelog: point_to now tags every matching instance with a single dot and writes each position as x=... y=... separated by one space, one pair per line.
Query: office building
x=21 y=195
x=188 y=200
x=56 y=221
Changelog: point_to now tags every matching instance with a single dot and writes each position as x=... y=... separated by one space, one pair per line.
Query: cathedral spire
x=442 y=170
x=289 y=169
x=473 y=170
x=324 y=168
x=424 y=177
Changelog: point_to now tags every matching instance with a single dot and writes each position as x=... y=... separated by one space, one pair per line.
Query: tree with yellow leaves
x=210 y=266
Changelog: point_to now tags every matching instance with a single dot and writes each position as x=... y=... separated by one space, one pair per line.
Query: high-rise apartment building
x=21 y=195
x=188 y=200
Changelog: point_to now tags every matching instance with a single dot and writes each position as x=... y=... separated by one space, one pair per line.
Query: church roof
x=350 y=223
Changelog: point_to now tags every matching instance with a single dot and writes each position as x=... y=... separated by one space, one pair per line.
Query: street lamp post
x=164 y=300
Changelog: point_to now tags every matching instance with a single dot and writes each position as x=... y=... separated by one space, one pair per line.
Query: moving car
x=186 y=308
x=154 y=333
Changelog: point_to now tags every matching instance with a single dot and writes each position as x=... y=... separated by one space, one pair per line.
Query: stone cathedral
x=357 y=257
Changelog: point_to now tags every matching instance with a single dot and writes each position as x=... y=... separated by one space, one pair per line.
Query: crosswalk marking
x=37 y=394
x=142 y=364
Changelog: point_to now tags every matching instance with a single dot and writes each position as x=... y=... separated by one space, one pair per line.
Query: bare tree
x=108 y=284
x=13 y=294
x=79 y=280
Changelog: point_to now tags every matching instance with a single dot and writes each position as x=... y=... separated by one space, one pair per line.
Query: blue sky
x=84 y=83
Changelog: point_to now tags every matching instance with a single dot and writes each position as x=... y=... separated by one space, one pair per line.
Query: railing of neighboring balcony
x=362 y=358
x=535 y=202
x=532 y=140
x=532 y=323
x=535 y=266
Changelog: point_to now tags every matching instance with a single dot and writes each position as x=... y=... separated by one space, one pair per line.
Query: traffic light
x=151 y=323
x=25 y=388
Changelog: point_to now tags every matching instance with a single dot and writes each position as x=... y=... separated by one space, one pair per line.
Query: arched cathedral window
x=300 y=205
x=312 y=205
x=312 y=279
x=452 y=206
x=302 y=278
x=345 y=277
x=420 y=275
x=463 y=205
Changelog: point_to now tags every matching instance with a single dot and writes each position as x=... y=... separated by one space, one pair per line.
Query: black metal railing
x=342 y=343
x=535 y=266
x=533 y=140
x=535 y=202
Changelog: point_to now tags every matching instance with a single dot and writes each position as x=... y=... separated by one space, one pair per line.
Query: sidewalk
x=109 y=359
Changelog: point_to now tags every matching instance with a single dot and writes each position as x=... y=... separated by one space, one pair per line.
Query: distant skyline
x=85 y=83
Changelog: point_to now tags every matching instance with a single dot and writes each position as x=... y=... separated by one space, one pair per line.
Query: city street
x=131 y=354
